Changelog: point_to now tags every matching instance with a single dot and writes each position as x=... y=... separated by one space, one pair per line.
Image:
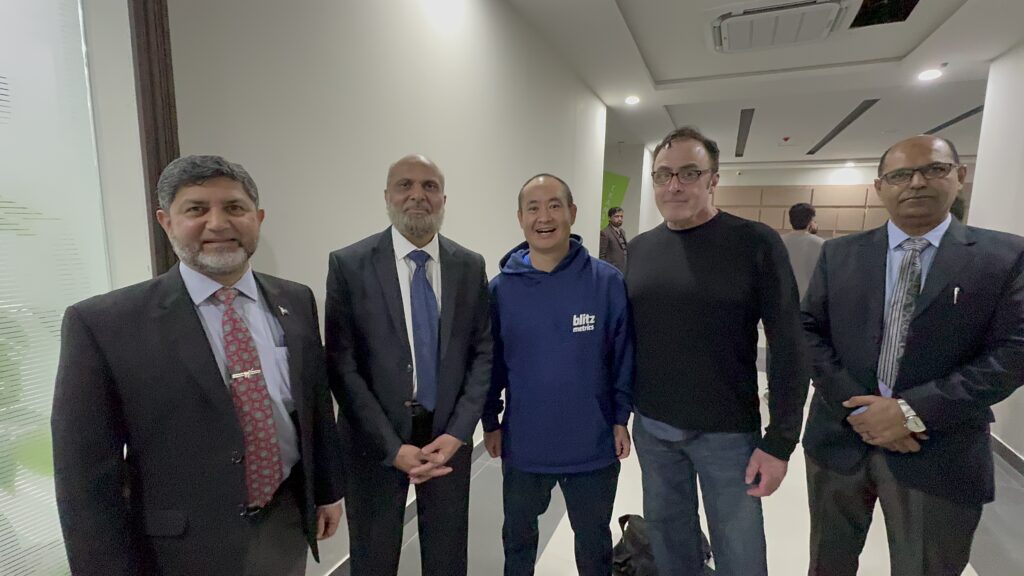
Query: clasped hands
x=883 y=424
x=422 y=464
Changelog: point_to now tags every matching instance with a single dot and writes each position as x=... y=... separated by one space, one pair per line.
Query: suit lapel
x=178 y=320
x=871 y=262
x=953 y=254
x=451 y=276
x=281 y=307
x=383 y=258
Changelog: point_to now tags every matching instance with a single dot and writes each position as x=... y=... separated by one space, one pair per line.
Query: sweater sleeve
x=494 y=406
x=623 y=361
x=787 y=372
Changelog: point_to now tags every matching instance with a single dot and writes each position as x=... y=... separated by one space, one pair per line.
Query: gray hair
x=194 y=170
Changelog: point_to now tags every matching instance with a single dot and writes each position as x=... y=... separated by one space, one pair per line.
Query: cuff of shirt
x=331 y=504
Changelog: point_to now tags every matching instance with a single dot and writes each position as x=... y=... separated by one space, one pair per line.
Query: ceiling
x=663 y=52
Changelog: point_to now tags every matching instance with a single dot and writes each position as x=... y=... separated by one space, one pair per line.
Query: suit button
x=408 y=368
x=236 y=457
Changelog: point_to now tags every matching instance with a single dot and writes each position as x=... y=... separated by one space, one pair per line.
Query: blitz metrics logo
x=583 y=322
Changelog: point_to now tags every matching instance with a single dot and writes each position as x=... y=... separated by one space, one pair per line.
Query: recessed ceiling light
x=850 y=164
x=930 y=74
x=631 y=100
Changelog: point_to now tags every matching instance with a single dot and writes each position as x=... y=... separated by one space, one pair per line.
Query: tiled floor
x=997 y=549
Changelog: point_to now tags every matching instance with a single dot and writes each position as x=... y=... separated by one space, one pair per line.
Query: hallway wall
x=998 y=202
x=318 y=98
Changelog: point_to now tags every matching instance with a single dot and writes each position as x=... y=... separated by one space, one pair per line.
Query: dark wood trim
x=158 y=117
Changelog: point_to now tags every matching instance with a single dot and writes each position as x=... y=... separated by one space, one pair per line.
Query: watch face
x=914 y=424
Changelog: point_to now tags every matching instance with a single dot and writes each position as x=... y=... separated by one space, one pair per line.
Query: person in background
x=613 y=240
x=803 y=244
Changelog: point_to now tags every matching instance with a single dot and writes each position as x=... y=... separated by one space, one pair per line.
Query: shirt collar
x=200 y=286
x=934 y=237
x=403 y=247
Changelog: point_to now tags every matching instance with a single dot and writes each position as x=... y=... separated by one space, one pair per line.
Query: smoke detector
x=777 y=26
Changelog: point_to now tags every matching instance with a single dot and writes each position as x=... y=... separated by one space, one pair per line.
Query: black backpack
x=632 y=556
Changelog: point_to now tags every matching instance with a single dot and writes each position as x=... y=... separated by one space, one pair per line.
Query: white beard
x=415 y=226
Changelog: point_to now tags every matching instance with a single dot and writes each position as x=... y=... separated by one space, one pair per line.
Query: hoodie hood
x=517 y=260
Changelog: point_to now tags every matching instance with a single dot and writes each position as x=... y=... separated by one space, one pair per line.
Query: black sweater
x=697 y=296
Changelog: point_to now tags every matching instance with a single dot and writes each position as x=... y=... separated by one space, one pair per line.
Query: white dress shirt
x=268 y=336
x=405 y=268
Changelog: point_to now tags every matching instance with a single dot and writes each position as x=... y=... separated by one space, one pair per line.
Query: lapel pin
x=284 y=311
x=956 y=295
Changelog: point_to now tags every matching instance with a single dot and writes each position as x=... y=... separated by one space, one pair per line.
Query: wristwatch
x=913 y=421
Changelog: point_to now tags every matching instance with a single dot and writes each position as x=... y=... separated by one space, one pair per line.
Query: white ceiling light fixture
x=795 y=22
x=632 y=100
x=930 y=74
x=850 y=164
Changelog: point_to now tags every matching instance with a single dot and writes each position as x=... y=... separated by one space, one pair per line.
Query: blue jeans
x=670 y=472
x=589 y=497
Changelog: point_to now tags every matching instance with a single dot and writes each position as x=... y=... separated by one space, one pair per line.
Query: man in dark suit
x=916 y=329
x=613 y=240
x=192 y=424
x=409 y=352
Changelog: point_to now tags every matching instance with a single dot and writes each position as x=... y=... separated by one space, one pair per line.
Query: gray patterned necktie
x=900 y=311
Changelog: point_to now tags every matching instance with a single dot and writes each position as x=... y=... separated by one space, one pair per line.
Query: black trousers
x=589 y=499
x=376 y=512
x=928 y=535
x=277 y=541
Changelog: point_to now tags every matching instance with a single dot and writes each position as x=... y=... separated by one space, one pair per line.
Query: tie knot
x=419 y=257
x=226 y=295
x=914 y=244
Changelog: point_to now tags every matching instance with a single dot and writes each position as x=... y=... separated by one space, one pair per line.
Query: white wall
x=118 y=145
x=997 y=199
x=649 y=214
x=317 y=98
x=627 y=160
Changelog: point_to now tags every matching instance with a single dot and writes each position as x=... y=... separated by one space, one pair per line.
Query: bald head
x=415 y=160
x=942 y=146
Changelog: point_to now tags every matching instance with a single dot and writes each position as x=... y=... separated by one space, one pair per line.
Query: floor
x=997 y=549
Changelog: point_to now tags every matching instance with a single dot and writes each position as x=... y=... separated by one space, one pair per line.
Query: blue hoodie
x=563 y=354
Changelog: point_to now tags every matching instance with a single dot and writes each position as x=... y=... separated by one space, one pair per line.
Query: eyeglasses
x=685 y=176
x=931 y=171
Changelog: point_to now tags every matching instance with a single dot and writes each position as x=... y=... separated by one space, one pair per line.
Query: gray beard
x=217 y=264
x=415 y=226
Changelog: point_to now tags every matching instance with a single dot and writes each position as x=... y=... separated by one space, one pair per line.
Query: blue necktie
x=424 y=331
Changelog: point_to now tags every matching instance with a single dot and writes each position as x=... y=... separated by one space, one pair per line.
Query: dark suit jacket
x=610 y=251
x=136 y=370
x=959 y=359
x=368 y=351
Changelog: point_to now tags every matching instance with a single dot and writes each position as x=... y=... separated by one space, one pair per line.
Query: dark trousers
x=376 y=512
x=589 y=497
x=277 y=541
x=928 y=535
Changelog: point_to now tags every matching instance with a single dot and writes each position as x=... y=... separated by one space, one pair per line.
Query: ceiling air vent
x=776 y=26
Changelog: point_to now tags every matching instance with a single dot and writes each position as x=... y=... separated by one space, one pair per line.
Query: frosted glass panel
x=52 y=254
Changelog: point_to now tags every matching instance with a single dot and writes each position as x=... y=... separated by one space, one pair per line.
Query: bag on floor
x=632 y=556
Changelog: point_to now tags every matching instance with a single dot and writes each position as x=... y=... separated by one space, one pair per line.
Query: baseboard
x=344 y=569
x=1015 y=460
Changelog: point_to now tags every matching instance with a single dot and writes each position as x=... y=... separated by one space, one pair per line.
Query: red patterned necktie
x=263 y=473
